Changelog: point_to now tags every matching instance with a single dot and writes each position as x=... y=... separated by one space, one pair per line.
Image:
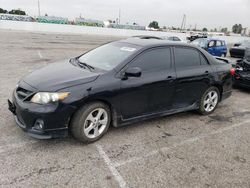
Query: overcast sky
x=204 y=13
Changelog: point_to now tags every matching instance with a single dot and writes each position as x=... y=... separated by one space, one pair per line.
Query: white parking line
x=39 y=54
x=185 y=142
x=111 y=167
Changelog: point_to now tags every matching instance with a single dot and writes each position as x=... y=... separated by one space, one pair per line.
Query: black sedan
x=238 y=50
x=117 y=84
x=242 y=73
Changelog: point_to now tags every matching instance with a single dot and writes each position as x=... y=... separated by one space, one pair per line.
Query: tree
x=237 y=28
x=18 y=12
x=154 y=24
x=164 y=27
x=3 y=11
x=205 y=29
x=224 y=30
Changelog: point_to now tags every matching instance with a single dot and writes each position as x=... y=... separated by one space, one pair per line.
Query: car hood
x=59 y=75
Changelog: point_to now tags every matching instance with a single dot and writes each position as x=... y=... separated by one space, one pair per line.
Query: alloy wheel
x=210 y=101
x=95 y=123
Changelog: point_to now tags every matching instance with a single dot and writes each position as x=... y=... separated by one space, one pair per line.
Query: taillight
x=232 y=71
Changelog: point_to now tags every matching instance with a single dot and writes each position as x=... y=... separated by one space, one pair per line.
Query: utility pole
x=183 y=24
x=39 y=11
x=119 y=16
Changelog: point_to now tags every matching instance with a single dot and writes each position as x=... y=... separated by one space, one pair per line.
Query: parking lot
x=182 y=150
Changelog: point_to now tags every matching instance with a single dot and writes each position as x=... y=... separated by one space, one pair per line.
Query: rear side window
x=203 y=60
x=186 y=57
x=176 y=39
x=218 y=43
x=153 y=60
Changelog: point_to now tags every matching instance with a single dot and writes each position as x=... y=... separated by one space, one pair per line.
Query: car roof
x=151 y=42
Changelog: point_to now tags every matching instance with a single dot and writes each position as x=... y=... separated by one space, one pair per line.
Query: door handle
x=170 y=79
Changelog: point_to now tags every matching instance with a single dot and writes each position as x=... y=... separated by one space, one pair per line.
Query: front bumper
x=55 y=118
x=242 y=83
x=238 y=53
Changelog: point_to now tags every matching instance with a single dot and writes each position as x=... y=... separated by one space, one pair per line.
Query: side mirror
x=133 y=72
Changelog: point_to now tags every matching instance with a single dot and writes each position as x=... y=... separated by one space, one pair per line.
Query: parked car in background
x=215 y=47
x=242 y=73
x=172 y=38
x=196 y=36
x=238 y=50
x=116 y=84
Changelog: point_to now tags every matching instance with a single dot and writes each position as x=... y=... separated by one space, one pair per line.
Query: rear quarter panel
x=223 y=76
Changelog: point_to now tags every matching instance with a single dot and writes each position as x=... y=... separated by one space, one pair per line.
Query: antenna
x=39 y=11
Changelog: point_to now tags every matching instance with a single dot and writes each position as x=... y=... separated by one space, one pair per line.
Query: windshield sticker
x=128 y=49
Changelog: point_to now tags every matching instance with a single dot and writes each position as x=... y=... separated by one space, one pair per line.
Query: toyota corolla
x=117 y=84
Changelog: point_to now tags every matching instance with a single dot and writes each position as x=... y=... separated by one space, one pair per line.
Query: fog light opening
x=39 y=124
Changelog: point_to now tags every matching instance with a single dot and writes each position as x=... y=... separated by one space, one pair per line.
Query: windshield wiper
x=83 y=64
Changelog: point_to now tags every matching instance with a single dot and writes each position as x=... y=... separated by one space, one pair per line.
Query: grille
x=23 y=93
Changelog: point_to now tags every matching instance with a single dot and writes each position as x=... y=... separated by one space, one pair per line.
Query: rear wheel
x=91 y=122
x=209 y=101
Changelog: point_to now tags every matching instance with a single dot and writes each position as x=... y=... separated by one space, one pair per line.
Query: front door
x=153 y=91
x=211 y=47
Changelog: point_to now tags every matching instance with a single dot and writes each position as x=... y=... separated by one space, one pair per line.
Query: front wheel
x=209 y=101
x=91 y=122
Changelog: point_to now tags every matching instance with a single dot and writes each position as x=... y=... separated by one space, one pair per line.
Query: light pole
x=39 y=11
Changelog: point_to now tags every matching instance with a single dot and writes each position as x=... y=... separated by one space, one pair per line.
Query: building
x=52 y=19
x=89 y=22
x=13 y=17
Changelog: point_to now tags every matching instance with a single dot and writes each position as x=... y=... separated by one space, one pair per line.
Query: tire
x=91 y=122
x=209 y=101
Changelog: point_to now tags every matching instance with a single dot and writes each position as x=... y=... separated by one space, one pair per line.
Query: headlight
x=45 y=97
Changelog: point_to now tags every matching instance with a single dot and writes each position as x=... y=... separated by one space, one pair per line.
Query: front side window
x=109 y=56
x=186 y=57
x=211 y=44
x=153 y=60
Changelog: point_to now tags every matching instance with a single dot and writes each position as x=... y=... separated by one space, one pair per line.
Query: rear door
x=218 y=48
x=153 y=91
x=193 y=76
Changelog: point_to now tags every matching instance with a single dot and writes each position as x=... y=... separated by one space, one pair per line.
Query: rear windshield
x=108 y=56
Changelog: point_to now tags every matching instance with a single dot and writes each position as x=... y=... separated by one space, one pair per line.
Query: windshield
x=200 y=42
x=108 y=56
